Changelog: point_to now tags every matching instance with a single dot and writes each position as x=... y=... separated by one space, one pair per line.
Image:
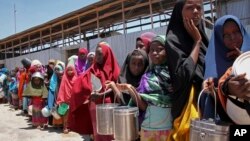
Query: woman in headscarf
x=228 y=41
x=49 y=69
x=55 y=82
x=38 y=93
x=143 y=42
x=81 y=61
x=186 y=47
x=65 y=90
x=104 y=68
x=24 y=80
x=135 y=65
x=36 y=66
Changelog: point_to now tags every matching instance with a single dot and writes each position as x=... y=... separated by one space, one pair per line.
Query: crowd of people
x=163 y=75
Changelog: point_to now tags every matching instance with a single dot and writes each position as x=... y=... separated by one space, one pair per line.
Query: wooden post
x=123 y=19
x=79 y=29
x=97 y=15
x=151 y=13
x=63 y=44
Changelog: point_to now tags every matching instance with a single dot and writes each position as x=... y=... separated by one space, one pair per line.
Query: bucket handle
x=132 y=91
x=215 y=102
x=104 y=96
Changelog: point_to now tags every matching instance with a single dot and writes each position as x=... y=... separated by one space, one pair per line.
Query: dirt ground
x=15 y=127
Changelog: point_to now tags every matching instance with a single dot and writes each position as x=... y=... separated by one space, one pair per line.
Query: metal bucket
x=104 y=118
x=126 y=127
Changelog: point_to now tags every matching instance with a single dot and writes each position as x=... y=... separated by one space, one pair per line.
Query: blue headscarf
x=54 y=84
x=4 y=71
x=13 y=85
x=216 y=61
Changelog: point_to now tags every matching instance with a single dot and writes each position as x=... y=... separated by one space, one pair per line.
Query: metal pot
x=104 y=118
x=126 y=126
x=55 y=114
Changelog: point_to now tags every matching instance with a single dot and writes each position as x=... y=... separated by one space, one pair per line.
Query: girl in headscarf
x=53 y=89
x=228 y=41
x=80 y=63
x=38 y=93
x=13 y=91
x=104 y=68
x=65 y=90
x=186 y=47
x=153 y=94
x=90 y=59
x=135 y=65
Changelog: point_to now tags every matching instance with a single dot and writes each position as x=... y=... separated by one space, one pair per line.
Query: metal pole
x=15 y=17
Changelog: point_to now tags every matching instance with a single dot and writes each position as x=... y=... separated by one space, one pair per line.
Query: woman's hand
x=192 y=29
x=95 y=95
x=233 y=54
x=112 y=85
x=208 y=85
x=239 y=86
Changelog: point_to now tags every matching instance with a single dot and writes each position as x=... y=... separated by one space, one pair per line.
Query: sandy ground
x=14 y=127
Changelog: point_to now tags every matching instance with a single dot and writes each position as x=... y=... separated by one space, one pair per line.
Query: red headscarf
x=109 y=70
x=66 y=85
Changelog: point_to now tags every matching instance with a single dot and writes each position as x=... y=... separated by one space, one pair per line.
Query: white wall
x=120 y=44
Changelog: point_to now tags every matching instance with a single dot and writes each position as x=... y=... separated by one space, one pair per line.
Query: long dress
x=184 y=72
x=82 y=89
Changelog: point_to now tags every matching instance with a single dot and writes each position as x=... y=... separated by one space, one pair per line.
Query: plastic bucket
x=104 y=118
x=55 y=114
x=126 y=126
x=62 y=109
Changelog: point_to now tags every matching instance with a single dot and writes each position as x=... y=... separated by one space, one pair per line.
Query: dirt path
x=14 y=127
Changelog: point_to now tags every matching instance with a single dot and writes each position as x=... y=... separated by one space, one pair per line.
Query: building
x=118 y=22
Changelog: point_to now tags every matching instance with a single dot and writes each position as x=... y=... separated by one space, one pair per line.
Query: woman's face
x=70 y=71
x=157 y=53
x=99 y=55
x=232 y=36
x=140 y=45
x=82 y=56
x=38 y=67
x=91 y=59
x=59 y=72
x=193 y=10
x=136 y=65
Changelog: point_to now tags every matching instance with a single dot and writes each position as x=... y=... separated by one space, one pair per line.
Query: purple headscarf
x=80 y=64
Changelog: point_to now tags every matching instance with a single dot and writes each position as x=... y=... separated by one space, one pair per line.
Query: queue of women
x=165 y=73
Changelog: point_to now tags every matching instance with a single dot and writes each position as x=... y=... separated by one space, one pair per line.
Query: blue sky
x=30 y=13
